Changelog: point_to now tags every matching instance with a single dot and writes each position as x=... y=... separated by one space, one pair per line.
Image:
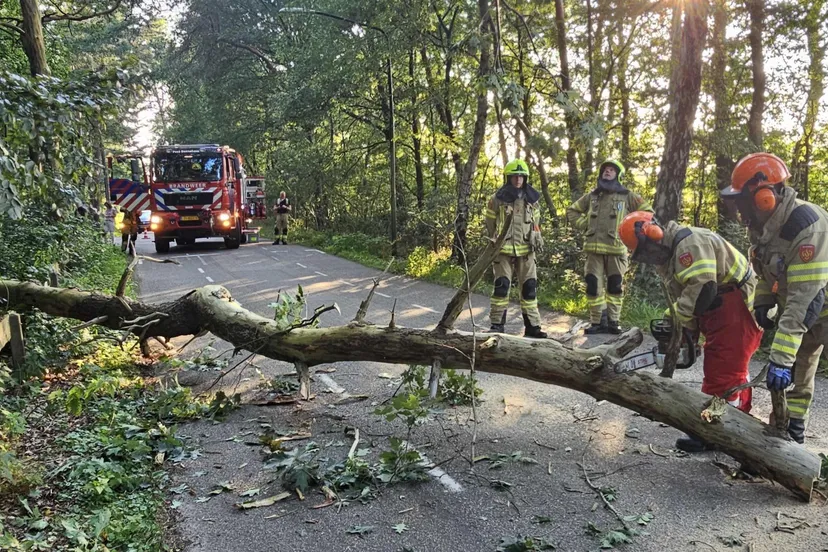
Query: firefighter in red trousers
x=714 y=286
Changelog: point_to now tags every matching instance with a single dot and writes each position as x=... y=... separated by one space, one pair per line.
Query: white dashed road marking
x=210 y=279
x=424 y=308
x=329 y=382
x=255 y=262
x=314 y=250
x=274 y=258
x=321 y=273
x=201 y=270
x=439 y=474
x=381 y=294
x=346 y=283
x=300 y=264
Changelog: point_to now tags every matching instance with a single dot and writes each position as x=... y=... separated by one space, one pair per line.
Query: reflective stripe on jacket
x=791 y=258
x=598 y=214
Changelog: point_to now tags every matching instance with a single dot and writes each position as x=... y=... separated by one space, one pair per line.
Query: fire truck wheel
x=235 y=241
x=162 y=245
x=243 y=238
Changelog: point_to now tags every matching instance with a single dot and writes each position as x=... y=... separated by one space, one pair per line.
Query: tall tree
x=720 y=143
x=32 y=38
x=756 y=10
x=682 y=114
x=466 y=177
x=802 y=155
x=575 y=188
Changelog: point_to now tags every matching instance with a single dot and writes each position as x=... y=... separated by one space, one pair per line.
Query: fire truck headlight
x=155 y=219
x=154 y=227
x=224 y=217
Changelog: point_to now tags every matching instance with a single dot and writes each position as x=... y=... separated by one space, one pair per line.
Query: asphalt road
x=696 y=505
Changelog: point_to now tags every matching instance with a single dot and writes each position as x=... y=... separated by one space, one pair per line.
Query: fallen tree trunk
x=212 y=309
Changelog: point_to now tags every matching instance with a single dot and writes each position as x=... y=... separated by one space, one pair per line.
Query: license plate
x=191 y=217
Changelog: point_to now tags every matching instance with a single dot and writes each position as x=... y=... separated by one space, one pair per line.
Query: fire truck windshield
x=187 y=167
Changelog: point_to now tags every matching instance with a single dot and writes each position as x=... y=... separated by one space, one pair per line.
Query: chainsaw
x=662 y=330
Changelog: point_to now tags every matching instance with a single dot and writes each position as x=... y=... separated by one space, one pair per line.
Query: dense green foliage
x=301 y=88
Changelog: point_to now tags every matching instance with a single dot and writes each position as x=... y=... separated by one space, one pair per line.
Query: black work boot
x=692 y=444
x=497 y=328
x=534 y=331
x=614 y=328
x=596 y=329
x=796 y=429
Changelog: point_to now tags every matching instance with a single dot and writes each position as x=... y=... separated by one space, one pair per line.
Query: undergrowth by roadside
x=84 y=438
x=560 y=287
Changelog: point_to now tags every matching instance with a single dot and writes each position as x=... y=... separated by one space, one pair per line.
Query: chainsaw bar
x=636 y=362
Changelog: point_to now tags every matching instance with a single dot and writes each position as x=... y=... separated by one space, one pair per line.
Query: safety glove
x=779 y=377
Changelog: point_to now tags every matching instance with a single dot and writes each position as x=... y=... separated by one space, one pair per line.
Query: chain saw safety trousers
x=731 y=337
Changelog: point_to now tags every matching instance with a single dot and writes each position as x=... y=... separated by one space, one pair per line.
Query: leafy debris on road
x=516 y=457
x=731 y=541
x=269 y=501
x=360 y=530
x=519 y=543
x=400 y=528
x=541 y=519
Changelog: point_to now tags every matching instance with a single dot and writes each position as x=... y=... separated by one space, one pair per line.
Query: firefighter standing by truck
x=790 y=255
x=597 y=214
x=517 y=253
x=129 y=231
x=714 y=286
x=282 y=209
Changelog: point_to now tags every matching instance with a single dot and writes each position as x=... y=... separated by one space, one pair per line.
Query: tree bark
x=464 y=184
x=589 y=371
x=32 y=38
x=801 y=165
x=756 y=10
x=683 y=104
x=419 y=178
x=594 y=40
x=575 y=188
x=721 y=111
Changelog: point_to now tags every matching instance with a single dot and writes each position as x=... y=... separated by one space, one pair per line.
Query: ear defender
x=764 y=198
x=652 y=231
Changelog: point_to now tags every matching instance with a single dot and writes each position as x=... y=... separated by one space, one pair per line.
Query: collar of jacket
x=774 y=224
x=508 y=194
x=613 y=187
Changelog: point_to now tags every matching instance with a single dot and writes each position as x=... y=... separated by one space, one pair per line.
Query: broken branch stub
x=212 y=308
x=475 y=273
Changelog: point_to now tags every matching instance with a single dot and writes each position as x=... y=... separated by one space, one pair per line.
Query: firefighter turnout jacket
x=791 y=256
x=703 y=265
x=599 y=213
x=523 y=237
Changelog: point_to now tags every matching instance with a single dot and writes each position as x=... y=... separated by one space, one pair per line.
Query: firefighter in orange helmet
x=789 y=252
x=714 y=287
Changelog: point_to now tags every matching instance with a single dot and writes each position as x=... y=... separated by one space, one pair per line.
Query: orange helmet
x=755 y=169
x=636 y=225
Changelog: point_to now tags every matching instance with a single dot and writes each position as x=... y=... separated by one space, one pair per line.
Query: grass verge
x=558 y=290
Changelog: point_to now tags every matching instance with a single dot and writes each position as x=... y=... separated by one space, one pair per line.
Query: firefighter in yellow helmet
x=790 y=255
x=517 y=254
x=597 y=214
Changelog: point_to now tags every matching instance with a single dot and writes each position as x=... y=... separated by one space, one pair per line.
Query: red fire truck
x=194 y=191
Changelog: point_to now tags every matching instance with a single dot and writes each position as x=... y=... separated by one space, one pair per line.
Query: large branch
x=213 y=309
x=79 y=15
